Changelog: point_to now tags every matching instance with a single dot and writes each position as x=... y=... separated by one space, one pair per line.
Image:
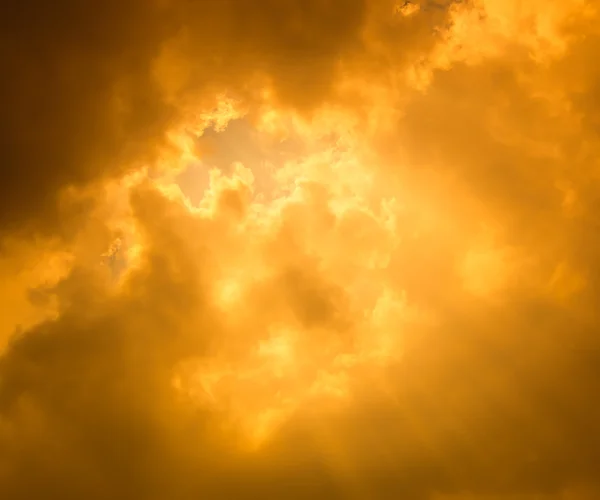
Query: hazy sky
x=305 y=249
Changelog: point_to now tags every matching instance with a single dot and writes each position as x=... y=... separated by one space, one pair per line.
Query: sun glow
x=300 y=249
x=289 y=337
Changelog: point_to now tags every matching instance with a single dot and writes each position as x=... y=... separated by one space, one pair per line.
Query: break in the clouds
x=299 y=249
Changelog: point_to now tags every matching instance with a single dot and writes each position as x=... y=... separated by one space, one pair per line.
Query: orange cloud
x=300 y=249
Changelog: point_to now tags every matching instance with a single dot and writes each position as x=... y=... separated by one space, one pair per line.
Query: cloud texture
x=299 y=249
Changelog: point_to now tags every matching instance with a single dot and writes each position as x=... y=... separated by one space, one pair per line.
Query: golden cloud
x=300 y=249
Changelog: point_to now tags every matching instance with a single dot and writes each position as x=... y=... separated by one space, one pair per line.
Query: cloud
x=315 y=249
x=92 y=91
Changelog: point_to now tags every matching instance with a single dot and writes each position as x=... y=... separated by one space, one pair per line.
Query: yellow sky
x=300 y=249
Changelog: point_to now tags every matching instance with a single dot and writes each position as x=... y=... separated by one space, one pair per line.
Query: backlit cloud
x=299 y=249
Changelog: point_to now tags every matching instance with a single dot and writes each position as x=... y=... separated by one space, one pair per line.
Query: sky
x=325 y=249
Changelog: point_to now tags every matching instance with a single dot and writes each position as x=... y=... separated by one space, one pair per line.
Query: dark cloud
x=78 y=97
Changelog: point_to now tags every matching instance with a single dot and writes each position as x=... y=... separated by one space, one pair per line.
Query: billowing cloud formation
x=91 y=87
x=300 y=249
